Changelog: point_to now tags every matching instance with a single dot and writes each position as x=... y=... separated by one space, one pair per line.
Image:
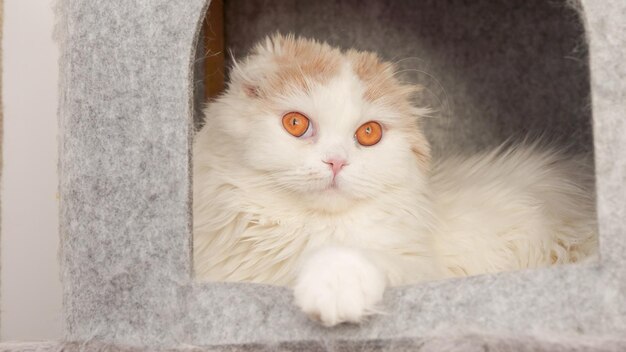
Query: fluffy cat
x=311 y=171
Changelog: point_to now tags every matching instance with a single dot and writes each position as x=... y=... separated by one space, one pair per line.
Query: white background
x=30 y=286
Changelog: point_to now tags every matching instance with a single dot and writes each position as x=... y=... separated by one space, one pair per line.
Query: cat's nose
x=336 y=164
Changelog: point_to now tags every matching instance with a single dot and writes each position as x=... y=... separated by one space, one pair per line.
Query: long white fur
x=263 y=211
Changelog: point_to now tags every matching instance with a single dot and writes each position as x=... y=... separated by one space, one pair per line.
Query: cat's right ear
x=239 y=79
x=251 y=90
x=245 y=79
x=251 y=73
x=247 y=86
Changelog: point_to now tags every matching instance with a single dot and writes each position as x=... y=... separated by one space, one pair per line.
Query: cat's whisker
x=417 y=58
x=444 y=103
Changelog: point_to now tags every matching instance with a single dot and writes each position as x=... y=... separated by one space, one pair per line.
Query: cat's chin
x=331 y=199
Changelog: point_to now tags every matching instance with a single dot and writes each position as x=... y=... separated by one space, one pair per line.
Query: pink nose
x=335 y=164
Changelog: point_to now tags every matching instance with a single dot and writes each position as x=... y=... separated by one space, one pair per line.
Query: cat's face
x=331 y=128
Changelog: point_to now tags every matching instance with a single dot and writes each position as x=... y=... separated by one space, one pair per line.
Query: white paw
x=337 y=285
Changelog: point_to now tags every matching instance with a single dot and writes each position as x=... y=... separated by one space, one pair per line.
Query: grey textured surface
x=607 y=38
x=126 y=112
x=470 y=342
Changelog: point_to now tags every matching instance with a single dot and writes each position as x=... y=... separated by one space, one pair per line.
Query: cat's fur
x=264 y=209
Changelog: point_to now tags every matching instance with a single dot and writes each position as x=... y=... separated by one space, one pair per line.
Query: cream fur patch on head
x=281 y=65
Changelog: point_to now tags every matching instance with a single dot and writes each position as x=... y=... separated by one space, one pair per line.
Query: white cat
x=311 y=171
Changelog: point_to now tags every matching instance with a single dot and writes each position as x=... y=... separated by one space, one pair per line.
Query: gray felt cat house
x=503 y=69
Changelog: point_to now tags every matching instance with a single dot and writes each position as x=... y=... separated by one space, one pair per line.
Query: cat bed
x=126 y=121
x=446 y=342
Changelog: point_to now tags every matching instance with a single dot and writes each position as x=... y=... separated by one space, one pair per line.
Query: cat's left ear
x=419 y=144
x=421 y=149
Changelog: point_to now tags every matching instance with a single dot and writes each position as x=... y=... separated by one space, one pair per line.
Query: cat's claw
x=338 y=285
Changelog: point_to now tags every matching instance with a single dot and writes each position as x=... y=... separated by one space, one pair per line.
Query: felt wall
x=126 y=113
x=1 y=108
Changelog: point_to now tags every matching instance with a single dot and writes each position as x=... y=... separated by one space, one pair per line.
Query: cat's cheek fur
x=339 y=284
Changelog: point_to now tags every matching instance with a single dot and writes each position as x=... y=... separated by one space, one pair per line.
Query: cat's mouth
x=333 y=186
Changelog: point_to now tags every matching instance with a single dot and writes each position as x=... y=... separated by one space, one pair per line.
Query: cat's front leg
x=339 y=284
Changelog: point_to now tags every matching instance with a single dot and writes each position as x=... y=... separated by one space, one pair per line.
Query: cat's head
x=328 y=126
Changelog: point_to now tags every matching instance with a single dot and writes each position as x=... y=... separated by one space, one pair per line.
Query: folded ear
x=421 y=149
x=249 y=74
x=290 y=62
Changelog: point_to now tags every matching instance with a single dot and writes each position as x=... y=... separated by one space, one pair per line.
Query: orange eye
x=369 y=133
x=296 y=123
